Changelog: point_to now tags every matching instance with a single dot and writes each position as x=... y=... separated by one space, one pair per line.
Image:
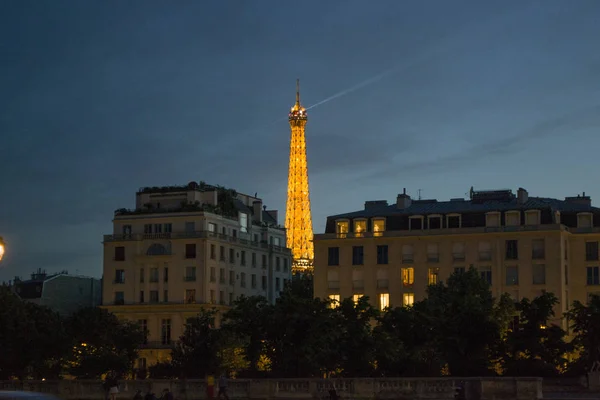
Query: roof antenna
x=419 y=191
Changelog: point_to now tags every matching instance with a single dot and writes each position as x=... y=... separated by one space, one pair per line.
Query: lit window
x=342 y=228
x=335 y=300
x=408 y=299
x=356 y=297
x=360 y=227
x=408 y=276
x=433 y=275
x=384 y=301
x=378 y=226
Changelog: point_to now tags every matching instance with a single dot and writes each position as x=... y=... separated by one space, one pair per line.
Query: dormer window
x=492 y=219
x=342 y=228
x=360 y=227
x=512 y=218
x=415 y=222
x=453 y=221
x=584 y=220
x=434 y=222
x=378 y=226
x=532 y=217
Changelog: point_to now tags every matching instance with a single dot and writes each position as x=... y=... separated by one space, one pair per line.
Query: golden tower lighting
x=298 y=221
x=1 y=248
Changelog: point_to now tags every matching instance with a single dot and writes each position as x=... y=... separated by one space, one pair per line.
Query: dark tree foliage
x=585 y=323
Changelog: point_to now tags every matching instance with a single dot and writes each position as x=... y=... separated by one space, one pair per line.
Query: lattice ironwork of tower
x=298 y=221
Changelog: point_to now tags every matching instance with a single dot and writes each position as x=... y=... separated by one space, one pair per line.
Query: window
x=333 y=256
x=243 y=222
x=120 y=276
x=357 y=255
x=190 y=296
x=264 y=282
x=378 y=226
x=213 y=274
x=357 y=278
x=234 y=233
x=165 y=331
x=584 y=220
x=277 y=284
x=119 y=253
x=435 y=222
x=232 y=278
x=190 y=274
x=221 y=297
x=539 y=274
x=485 y=251
x=492 y=219
x=212 y=227
x=334 y=300
x=512 y=276
x=143 y=323
x=566 y=250
x=285 y=265
x=486 y=274
x=538 y=250
x=453 y=221
x=253 y=260
x=190 y=227
x=408 y=299
x=356 y=298
x=382 y=254
x=433 y=276
x=532 y=217
x=255 y=238
x=408 y=277
x=253 y=281
x=407 y=254
x=166 y=296
x=360 y=227
x=141 y=275
x=384 y=301
x=243 y=279
x=566 y=274
x=119 y=298
x=232 y=256
x=212 y=297
x=459 y=270
x=512 y=218
x=221 y=275
x=168 y=228
x=458 y=251
x=264 y=261
x=154 y=275
x=221 y=253
x=433 y=253
x=243 y=258
x=154 y=296
x=415 y=223
x=277 y=264
x=213 y=252
x=126 y=230
x=511 y=250
x=593 y=277
x=342 y=228
x=157 y=228
x=166 y=275
x=141 y=296
x=230 y=298
x=190 y=250
x=147 y=228
x=591 y=251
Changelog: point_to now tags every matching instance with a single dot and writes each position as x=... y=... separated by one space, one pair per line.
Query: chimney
x=257 y=211
x=522 y=196
x=403 y=200
x=584 y=200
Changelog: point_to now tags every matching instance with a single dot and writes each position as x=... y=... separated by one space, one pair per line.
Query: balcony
x=433 y=257
x=189 y=279
x=458 y=257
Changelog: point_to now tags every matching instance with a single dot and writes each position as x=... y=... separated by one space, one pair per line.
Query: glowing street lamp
x=1 y=248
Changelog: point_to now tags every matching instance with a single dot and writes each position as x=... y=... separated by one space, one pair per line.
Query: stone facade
x=309 y=389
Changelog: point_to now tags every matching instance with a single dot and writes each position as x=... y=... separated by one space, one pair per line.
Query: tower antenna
x=420 y=190
x=298 y=92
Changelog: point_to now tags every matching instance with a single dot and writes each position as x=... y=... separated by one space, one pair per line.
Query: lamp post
x=1 y=248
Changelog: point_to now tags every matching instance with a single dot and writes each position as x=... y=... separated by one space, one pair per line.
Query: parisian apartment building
x=185 y=248
x=522 y=245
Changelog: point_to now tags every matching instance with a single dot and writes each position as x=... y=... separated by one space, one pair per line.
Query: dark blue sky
x=99 y=98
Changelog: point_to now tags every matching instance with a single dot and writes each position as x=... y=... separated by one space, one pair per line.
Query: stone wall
x=301 y=389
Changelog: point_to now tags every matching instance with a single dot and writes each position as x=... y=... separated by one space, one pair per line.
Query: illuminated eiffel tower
x=298 y=221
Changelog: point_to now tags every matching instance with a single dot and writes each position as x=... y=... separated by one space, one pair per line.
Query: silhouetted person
x=223 y=387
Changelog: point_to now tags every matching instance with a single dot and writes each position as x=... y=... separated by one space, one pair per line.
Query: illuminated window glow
x=408 y=299
x=408 y=276
x=384 y=301
x=434 y=275
x=356 y=297
x=378 y=226
x=342 y=228
x=360 y=227
x=335 y=300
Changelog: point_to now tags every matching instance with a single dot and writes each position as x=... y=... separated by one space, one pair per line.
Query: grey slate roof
x=424 y=207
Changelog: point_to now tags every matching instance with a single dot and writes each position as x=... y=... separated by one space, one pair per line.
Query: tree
x=585 y=322
x=101 y=343
x=196 y=354
x=535 y=347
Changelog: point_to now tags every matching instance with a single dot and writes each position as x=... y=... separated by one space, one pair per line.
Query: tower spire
x=298 y=93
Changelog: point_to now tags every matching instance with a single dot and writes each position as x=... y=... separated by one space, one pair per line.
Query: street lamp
x=1 y=248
